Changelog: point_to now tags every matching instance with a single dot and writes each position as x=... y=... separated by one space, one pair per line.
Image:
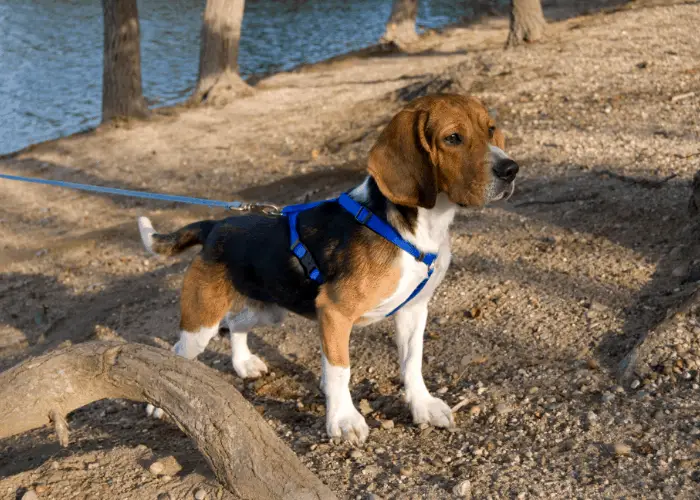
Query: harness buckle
x=267 y=209
x=363 y=215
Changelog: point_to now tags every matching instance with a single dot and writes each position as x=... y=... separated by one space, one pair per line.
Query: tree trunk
x=241 y=448
x=527 y=23
x=121 y=77
x=401 y=26
x=218 y=53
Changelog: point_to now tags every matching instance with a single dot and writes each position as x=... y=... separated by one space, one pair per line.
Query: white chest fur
x=431 y=235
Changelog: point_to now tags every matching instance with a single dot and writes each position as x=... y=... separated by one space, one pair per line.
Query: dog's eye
x=453 y=139
x=492 y=129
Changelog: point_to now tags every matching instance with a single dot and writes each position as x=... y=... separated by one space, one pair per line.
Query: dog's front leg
x=410 y=325
x=342 y=418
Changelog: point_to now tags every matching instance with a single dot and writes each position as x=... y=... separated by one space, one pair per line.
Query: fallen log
x=242 y=450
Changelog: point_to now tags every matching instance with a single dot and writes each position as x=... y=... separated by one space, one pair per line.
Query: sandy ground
x=592 y=267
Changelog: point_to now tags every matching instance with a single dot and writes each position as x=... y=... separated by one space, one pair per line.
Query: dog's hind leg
x=207 y=295
x=245 y=363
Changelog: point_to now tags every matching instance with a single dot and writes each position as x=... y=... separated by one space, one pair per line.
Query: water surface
x=51 y=52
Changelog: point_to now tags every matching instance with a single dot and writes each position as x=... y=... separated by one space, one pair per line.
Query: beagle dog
x=437 y=154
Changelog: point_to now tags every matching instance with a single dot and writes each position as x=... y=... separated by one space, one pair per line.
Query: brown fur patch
x=412 y=163
x=373 y=275
x=207 y=295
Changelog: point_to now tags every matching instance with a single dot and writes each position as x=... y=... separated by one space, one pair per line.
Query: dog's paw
x=433 y=411
x=347 y=423
x=154 y=412
x=250 y=367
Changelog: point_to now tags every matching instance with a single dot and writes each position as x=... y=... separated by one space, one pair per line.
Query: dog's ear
x=401 y=161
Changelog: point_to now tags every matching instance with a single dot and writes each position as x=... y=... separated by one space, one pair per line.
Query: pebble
x=40 y=489
x=164 y=496
x=30 y=495
x=622 y=449
x=502 y=408
x=355 y=454
x=387 y=424
x=442 y=390
x=591 y=416
x=200 y=494
x=635 y=384
x=371 y=470
x=463 y=489
x=607 y=397
x=92 y=465
x=365 y=407
x=156 y=468
x=475 y=410
x=406 y=471
x=166 y=465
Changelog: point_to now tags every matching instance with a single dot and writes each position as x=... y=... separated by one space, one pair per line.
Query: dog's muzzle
x=504 y=172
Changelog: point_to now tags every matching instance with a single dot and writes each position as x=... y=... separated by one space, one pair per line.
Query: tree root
x=242 y=450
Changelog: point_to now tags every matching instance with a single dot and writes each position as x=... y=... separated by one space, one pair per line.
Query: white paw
x=348 y=424
x=250 y=367
x=154 y=412
x=433 y=411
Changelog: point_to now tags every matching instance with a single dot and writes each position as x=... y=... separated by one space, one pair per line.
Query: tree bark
x=242 y=450
x=122 y=95
x=527 y=23
x=218 y=53
x=401 y=26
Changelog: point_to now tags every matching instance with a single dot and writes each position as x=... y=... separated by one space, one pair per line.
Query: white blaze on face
x=497 y=154
x=494 y=191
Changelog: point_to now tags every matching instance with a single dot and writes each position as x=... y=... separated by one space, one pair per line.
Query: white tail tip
x=147 y=232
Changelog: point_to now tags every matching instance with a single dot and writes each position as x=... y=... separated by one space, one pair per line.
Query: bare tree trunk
x=527 y=23
x=121 y=77
x=401 y=26
x=218 y=52
x=241 y=448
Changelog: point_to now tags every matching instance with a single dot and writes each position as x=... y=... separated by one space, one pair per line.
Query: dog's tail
x=174 y=243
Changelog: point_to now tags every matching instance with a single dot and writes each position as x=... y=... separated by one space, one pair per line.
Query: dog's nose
x=506 y=170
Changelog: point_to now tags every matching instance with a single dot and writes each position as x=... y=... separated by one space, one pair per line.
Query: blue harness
x=365 y=217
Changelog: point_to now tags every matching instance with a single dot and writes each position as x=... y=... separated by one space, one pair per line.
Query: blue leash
x=266 y=209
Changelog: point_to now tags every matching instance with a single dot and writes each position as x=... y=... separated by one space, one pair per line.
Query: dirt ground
x=568 y=323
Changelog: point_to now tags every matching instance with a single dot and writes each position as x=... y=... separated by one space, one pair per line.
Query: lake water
x=51 y=52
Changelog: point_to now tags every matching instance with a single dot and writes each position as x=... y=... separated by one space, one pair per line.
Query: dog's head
x=442 y=144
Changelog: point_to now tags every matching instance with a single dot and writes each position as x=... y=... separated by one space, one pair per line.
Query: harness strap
x=297 y=247
x=383 y=229
x=365 y=217
x=420 y=287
